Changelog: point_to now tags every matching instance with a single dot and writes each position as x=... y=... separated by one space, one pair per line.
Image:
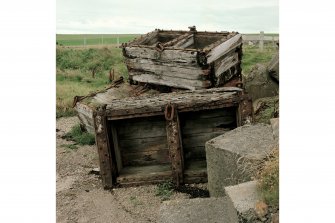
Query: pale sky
x=130 y=16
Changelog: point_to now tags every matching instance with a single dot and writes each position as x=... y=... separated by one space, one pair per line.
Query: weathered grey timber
x=185 y=59
x=198 y=210
x=153 y=138
x=233 y=157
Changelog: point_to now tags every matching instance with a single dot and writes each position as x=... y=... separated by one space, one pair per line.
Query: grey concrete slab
x=275 y=127
x=244 y=196
x=233 y=157
x=209 y=210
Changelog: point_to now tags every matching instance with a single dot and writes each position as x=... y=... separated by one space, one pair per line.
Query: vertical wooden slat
x=245 y=111
x=175 y=147
x=105 y=156
x=116 y=148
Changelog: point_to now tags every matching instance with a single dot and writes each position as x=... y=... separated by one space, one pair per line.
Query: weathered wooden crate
x=157 y=138
x=185 y=59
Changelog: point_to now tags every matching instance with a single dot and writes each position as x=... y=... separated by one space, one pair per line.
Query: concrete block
x=198 y=210
x=244 y=196
x=275 y=127
x=233 y=157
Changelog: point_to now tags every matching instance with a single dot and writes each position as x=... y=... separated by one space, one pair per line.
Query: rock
x=244 y=196
x=275 y=127
x=259 y=84
x=273 y=67
x=266 y=109
x=234 y=157
x=248 y=202
x=198 y=210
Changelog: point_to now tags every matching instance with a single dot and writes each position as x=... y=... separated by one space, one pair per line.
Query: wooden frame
x=185 y=59
x=156 y=138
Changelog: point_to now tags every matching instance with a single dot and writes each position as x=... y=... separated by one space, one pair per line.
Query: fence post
x=261 y=40
x=117 y=41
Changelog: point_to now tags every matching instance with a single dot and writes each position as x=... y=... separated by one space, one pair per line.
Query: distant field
x=93 y=39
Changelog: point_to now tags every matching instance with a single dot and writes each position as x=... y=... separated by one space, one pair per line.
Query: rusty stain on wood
x=175 y=143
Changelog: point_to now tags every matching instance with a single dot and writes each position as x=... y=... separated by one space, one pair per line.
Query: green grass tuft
x=164 y=190
x=269 y=179
x=79 y=136
x=252 y=55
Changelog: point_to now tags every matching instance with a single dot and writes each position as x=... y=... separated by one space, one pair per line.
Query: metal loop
x=169 y=112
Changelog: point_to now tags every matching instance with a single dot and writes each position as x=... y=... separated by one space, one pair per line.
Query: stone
x=266 y=109
x=273 y=67
x=200 y=210
x=234 y=157
x=275 y=127
x=244 y=196
x=259 y=84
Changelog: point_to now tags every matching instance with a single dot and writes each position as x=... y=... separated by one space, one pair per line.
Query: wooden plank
x=107 y=167
x=185 y=101
x=144 y=174
x=167 y=69
x=186 y=42
x=224 y=48
x=116 y=147
x=226 y=63
x=145 y=158
x=168 y=56
x=176 y=40
x=140 y=128
x=170 y=81
x=143 y=144
x=85 y=115
x=245 y=114
x=146 y=39
x=175 y=144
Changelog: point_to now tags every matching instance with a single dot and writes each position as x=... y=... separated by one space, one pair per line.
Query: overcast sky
x=130 y=16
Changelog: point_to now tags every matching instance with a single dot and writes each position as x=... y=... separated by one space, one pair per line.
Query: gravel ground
x=81 y=198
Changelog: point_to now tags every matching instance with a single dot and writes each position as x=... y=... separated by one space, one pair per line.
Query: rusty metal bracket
x=169 y=111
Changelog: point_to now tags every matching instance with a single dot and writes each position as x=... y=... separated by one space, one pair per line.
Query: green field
x=75 y=66
x=93 y=39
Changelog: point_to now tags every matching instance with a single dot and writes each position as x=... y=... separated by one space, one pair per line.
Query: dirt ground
x=80 y=196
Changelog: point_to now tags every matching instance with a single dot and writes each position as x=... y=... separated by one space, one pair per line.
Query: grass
x=79 y=136
x=268 y=179
x=74 y=73
x=75 y=68
x=164 y=190
x=70 y=146
x=93 y=39
x=253 y=55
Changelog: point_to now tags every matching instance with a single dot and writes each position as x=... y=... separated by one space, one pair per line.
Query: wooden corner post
x=107 y=169
x=174 y=144
x=245 y=114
